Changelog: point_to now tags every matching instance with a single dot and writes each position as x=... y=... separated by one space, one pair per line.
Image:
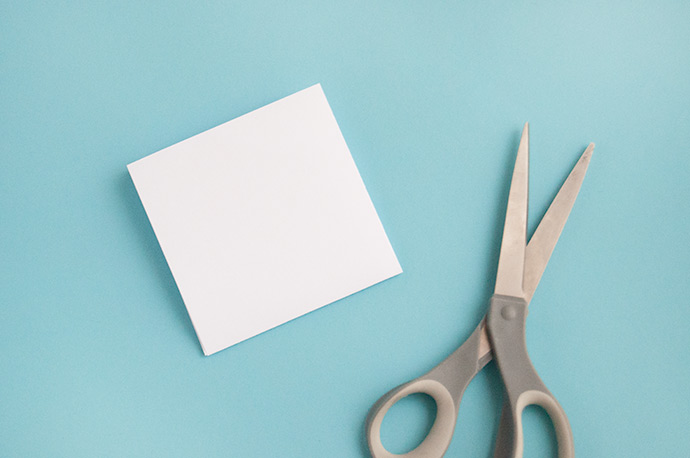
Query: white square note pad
x=263 y=219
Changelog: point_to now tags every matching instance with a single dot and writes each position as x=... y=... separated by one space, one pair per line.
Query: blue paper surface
x=99 y=357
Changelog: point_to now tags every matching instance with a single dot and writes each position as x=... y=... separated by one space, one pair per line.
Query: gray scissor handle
x=523 y=387
x=445 y=384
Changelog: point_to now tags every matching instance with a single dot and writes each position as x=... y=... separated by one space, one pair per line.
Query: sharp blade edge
x=511 y=262
x=549 y=230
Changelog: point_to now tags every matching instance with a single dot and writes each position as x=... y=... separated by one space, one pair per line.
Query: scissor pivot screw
x=509 y=312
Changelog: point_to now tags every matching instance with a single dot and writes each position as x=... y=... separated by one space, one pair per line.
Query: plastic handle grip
x=445 y=383
x=506 y=325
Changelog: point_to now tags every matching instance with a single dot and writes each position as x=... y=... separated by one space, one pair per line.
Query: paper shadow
x=150 y=250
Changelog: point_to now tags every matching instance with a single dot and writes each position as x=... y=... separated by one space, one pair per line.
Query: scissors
x=500 y=334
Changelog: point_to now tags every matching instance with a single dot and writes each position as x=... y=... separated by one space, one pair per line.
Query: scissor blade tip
x=587 y=155
x=525 y=135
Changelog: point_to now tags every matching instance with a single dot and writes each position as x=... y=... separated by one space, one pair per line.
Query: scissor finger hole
x=440 y=433
x=538 y=432
x=408 y=422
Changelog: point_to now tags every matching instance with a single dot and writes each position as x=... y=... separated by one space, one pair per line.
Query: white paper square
x=263 y=219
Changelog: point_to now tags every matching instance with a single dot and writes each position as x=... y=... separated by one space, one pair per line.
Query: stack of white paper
x=263 y=219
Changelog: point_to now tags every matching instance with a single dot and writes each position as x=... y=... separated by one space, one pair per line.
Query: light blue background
x=97 y=354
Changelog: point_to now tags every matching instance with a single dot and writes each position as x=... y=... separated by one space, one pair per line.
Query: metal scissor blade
x=545 y=237
x=511 y=262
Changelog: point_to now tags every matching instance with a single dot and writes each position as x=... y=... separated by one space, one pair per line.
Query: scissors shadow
x=491 y=380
